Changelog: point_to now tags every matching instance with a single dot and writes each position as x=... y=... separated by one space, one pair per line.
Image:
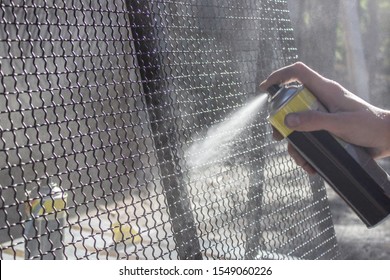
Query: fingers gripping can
x=347 y=168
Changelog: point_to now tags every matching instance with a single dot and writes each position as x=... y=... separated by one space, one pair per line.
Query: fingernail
x=292 y=120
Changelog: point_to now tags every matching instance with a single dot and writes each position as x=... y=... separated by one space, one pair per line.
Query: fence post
x=164 y=130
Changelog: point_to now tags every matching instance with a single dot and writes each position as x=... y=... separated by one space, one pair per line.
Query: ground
x=356 y=241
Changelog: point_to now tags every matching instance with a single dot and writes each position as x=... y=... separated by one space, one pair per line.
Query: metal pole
x=163 y=129
x=46 y=220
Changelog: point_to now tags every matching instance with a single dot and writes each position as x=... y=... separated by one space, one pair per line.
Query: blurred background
x=349 y=41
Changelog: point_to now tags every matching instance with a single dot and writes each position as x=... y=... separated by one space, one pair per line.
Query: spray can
x=46 y=218
x=347 y=168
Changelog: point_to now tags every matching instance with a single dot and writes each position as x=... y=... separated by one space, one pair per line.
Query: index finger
x=330 y=93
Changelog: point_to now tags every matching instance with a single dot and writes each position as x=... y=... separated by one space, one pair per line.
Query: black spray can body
x=347 y=168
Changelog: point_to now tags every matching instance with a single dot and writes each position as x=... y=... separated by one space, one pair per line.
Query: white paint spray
x=217 y=142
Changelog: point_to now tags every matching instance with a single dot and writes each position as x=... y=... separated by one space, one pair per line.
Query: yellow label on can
x=304 y=100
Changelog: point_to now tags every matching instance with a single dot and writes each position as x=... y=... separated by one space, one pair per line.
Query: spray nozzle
x=272 y=90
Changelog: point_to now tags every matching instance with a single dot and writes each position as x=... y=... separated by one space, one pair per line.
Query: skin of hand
x=350 y=117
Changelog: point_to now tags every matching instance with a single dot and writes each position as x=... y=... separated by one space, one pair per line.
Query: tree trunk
x=357 y=68
x=372 y=45
x=315 y=29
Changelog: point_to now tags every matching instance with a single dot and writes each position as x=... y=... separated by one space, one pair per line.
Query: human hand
x=349 y=117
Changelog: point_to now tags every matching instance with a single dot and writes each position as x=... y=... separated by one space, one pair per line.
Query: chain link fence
x=134 y=130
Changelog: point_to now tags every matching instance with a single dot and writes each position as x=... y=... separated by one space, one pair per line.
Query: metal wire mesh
x=133 y=130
